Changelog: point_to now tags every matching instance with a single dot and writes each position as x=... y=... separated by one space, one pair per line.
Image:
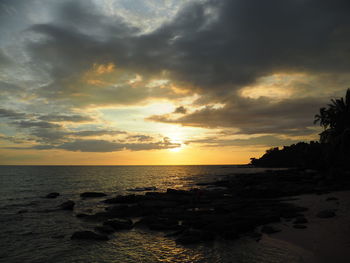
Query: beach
x=325 y=239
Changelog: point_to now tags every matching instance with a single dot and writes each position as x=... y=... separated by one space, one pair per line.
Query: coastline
x=235 y=212
x=327 y=239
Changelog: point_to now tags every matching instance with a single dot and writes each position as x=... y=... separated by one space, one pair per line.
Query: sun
x=177 y=149
x=177 y=140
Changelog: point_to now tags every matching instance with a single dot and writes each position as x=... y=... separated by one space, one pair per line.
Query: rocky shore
x=240 y=205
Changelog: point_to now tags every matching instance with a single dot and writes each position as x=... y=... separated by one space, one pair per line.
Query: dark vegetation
x=331 y=152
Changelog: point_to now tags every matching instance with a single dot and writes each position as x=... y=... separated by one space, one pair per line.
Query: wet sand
x=325 y=240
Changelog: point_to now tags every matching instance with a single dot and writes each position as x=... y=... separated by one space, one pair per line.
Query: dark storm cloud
x=58 y=135
x=141 y=137
x=9 y=89
x=266 y=141
x=108 y=146
x=96 y=133
x=35 y=124
x=259 y=116
x=63 y=118
x=4 y=60
x=213 y=48
x=247 y=39
x=11 y=114
x=181 y=110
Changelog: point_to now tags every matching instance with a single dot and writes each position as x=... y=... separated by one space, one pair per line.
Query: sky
x=151 y=82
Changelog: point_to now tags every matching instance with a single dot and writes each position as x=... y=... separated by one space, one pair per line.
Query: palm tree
x=335 y=119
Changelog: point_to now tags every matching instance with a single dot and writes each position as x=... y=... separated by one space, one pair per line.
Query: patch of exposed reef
x=239 y=205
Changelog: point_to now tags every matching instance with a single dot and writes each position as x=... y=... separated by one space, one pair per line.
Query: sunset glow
x=145 y=82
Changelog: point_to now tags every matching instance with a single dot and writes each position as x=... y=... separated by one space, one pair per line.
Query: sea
x=32 y=229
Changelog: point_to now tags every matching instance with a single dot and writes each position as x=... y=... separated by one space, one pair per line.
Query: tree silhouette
x=333 y=151
x=335 y=119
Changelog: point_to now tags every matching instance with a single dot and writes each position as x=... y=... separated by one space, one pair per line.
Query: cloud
x=59 y=135
x=141 y=137
x=267 y=141
x=11 y=114
x=253 y=116
x=64 y=118
x=108 y=146
x=96 y=133
x=181 y=110
x=4 y=60
x=211 y=48
x=215 y=50
x=35 y=124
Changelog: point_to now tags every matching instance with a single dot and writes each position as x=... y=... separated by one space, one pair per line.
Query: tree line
x=332 y=151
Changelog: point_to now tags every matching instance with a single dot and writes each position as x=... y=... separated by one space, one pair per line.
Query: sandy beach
x=325 y=240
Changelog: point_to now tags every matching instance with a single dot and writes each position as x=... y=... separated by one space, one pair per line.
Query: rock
x=300 y=220
x=142 y=189
x=255 y=235
x=157 y=204
x=176 y=233
x=52 y=195
x=194 y=236
x=119 y=224
x=326 y=214
x=57 y=236
x=82 y=215
x=332 y=199
x=92 y=194
x=300 y=226
x=68 y=205
x=105 y=229
x=270 y=230
x=89 y=235
x=122 y=199
x=188 y=239
x=177 y=192
x=147 y=221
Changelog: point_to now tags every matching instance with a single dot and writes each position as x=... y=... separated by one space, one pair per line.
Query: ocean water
x=31 y=230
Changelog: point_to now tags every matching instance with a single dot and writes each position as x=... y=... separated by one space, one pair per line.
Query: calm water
x=31 y=232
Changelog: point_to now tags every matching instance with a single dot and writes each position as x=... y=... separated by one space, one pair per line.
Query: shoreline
x=327 y=239
x=291 y=208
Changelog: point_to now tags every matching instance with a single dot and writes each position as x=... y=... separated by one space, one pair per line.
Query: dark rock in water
x=99 y=216
x=82 y=215
x=105 y=229
x=256 y=235
x=119 y=224
x=300 y=220
x=270 y=230
x=326 y=214
x=121 y=199
x=22 y=211
x=68 y=205
x=176 y=233
x=177 y=192
x=300 y=226
x=332 y=199
x=89 y=235
x=92 y=194
x=147 y=221
x=195 y=236
x=52 y=195
x=142 y=189
x=58 y=236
